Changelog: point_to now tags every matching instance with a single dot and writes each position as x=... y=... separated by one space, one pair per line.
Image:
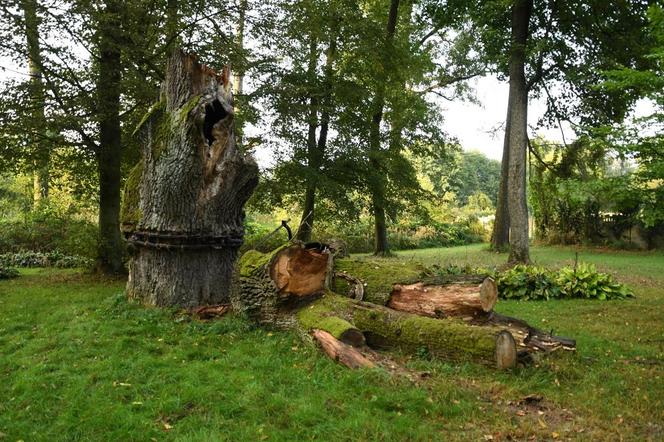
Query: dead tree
x=183 y=218
x=183 y=204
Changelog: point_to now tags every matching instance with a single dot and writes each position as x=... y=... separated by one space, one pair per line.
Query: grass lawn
x=77 y=362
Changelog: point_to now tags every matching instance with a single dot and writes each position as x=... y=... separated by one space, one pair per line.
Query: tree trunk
x=109 y=153
x=238 y=78
x=38 y=140
x=446 y=316
x=500 y=237
x=306 y=223
x=386 y=328
x=173 y=23
x=466 y=301
x=316 y=153
x=184 y=215
x=518 y=125
x=376 y=178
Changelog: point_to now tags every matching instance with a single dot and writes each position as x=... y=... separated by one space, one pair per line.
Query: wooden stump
x=183 y=204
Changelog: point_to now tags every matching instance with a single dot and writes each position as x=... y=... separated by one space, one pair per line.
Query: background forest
x=342 y=103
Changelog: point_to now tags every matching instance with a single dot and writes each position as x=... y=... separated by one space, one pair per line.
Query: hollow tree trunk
x=184 y=215
x=109 y=153
x=518 y=125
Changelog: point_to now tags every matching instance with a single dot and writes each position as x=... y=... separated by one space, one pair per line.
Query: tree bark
x=376 y=178
x=500 y=237
x=307 y=220
x=184 y=215
x=518 y=125
x=109 y=153
x=37 y=98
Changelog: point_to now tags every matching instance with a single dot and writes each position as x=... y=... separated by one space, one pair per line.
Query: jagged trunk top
x=189 y=142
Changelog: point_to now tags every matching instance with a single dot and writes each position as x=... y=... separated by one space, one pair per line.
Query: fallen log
x=341 y=352
x=448 y=318
x=467 y=301
x=449 y=339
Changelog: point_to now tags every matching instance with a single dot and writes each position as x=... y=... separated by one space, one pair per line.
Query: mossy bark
x=448 y=339
x=184 y=215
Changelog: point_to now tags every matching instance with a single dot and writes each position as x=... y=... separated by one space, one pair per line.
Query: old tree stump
x=183 y=205
x=183 y=218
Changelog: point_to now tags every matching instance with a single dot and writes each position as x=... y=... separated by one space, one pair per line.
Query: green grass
x=77 y=362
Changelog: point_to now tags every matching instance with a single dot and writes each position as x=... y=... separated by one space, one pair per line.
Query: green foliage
x=581 y=282
x=585 y=281
x=528 y=283
x=7 y=272
x=53 y=258
x=49 y=231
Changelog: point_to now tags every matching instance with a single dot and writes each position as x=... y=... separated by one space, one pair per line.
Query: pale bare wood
x=300 y=271
x=506 y=356
x=342 y=353
x=466 y=301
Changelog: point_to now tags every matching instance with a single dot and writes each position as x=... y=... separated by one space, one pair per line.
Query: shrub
x=536 y=283
x=47 y=231
x=8 y=272
x=586 y=282
x=528 y=282
x=53 y=258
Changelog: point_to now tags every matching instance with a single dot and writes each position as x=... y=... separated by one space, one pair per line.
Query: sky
x=474 y=125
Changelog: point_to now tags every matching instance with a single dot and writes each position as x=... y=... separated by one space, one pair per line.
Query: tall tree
x=376 y=178
x=518 y=134
x=40 y=145
x=109 y=152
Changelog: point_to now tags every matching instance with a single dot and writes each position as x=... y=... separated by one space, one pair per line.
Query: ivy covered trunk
x=183 y=205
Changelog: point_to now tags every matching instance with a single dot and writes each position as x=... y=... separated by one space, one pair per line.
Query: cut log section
x=341 y=352
x=272 y=285
x=466 y=301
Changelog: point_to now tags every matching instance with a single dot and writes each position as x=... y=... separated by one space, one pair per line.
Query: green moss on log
x=155 y=111
x=253 y=260
x=379 y=275
x=325 y=316
x=447 y=339
x=444 y=338
x=130 y=211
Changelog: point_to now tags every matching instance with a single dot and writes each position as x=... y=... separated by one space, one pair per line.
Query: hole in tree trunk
x=214 y=112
